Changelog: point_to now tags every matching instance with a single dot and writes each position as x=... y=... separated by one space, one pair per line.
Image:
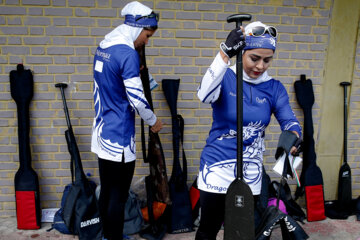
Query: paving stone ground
x=328 y=229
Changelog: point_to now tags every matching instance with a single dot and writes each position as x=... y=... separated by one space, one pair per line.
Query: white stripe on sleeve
x=135 y=94
x=209 y=89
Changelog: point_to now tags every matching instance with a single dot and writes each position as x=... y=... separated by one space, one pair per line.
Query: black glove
x=234 y=43
x=287 y=140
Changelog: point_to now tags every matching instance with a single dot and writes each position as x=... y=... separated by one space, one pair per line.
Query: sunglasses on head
x=260 y=30
x=152 y=15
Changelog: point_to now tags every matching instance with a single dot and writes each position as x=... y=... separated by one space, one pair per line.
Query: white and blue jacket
x=260 y=101
x=118 y=94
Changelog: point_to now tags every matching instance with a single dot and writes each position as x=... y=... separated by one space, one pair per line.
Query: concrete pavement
x=328 y=229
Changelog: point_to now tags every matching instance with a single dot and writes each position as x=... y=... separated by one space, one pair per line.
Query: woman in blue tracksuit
x=262 y=97
x=118 y=95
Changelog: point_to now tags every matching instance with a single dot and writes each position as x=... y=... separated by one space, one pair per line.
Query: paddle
x=239 y=202
x=157 y=186
x=180 y=219
x=312 y=177
x=27 y=191
x=81 y=212
x=344 y=187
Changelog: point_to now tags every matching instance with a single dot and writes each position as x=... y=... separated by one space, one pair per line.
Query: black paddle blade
x=239 y=221
x=344 y=188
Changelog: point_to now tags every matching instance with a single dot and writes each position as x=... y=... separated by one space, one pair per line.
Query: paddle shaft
x=239 y=18
x=62 y=86
x=239 y=106
x=71 y=141
x=239 y=201
x=344 y=187
x=345 y=85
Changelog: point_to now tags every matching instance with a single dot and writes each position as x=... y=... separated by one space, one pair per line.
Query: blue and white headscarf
x=264 y=41
x=139 y=15
x=128 y=32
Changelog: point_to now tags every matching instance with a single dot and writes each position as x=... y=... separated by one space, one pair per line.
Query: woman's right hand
x=157 y=126
x=235 y=42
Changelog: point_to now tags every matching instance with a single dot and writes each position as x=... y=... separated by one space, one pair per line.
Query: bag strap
x=282 y=180
x=176 y=146
x=181 y=124
x=143 y=145
x=76 y=168
x=286 y=141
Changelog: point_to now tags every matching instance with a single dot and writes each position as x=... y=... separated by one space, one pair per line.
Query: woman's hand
x=235 y=42
x=157 y=126
x=235 y=38
x=295 y=149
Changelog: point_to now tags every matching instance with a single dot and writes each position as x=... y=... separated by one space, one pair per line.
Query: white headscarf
x=125 y=34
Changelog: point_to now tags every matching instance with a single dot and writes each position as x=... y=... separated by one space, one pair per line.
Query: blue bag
x=58 y=222
x=133 y=219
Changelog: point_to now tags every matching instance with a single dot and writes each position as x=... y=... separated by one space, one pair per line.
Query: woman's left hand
x=295 y=149
x=157 y=126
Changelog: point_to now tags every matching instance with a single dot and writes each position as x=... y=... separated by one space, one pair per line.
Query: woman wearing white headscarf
x=262 y=97
x=118 y=94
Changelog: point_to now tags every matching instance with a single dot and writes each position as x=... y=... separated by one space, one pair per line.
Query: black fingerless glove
x=287 y=140
x=234 y=43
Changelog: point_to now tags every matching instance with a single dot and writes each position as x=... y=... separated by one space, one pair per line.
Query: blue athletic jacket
x=260 y=101
x=118 y=93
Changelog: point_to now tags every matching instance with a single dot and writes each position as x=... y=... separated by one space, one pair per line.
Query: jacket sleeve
x=134 y=90
x=209 y=89
x=283 y=112
x=135 y=94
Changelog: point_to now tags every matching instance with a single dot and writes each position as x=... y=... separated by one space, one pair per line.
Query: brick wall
x=56 y=40
x=354 y=123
